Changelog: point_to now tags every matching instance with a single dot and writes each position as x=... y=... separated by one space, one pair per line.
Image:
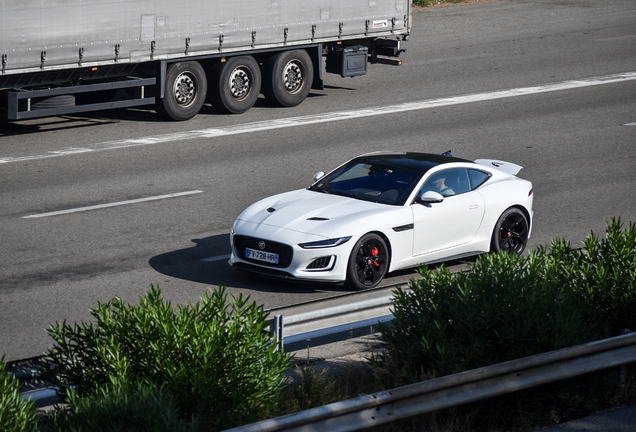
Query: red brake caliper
x=375 y=252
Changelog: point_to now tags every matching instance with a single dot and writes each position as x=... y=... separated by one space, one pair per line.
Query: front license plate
x=261 y=256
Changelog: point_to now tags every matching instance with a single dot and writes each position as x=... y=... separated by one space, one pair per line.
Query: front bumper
x=296 y=263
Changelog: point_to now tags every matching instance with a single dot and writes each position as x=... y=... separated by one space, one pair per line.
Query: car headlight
x=325 y=243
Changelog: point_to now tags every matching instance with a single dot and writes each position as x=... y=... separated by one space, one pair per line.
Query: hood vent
x=271 y=209
x=318 y=219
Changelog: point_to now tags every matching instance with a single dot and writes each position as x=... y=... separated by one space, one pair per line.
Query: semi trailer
x=70 y=56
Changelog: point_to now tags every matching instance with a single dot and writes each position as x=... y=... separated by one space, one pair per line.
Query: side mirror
x=431 y=197
x=318 y=175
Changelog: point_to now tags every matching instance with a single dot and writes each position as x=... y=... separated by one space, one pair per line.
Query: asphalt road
x=532 y=82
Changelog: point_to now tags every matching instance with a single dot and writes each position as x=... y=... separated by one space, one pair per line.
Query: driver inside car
x=440 y=184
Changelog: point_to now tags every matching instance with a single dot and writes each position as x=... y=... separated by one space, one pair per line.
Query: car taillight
x=530 y=191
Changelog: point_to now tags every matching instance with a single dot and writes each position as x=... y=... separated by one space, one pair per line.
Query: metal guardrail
x=330 y=320
x=453 y=390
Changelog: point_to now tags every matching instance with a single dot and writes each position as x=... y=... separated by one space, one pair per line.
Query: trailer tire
x=185 y=92
x=236 y=84
x=287 y=78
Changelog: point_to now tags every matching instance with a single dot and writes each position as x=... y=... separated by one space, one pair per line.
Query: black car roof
x=420 y=162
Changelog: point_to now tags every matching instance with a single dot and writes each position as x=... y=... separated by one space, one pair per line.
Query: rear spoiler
x=508 y=167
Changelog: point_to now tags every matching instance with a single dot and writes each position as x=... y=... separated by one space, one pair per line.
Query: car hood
x=312 y=212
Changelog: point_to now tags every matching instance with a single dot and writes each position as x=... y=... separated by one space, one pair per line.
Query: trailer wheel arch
x=288 y=77
x=185 y=91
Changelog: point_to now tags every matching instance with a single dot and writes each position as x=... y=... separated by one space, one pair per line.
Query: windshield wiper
x=353 y=195
x=317 y=189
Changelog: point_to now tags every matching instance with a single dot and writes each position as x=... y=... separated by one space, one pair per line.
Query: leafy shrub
x=119 y=408
x=214 y=357
x=508 y=307
x=505 y=307
x=604 y=273
x=16 y=414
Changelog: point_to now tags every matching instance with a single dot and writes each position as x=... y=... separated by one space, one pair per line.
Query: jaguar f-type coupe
x=383 y=212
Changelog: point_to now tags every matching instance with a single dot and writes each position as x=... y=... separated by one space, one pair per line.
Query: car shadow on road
x=207 y=262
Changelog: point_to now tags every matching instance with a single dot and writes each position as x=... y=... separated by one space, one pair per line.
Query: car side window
x=477 y=178
x=448 y=182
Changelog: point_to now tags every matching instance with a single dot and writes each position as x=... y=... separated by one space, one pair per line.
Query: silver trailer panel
x=41 y=35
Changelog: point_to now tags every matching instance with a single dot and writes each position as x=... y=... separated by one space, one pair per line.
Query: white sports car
x=383 y=212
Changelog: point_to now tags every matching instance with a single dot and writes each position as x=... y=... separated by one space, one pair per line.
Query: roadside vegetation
x=16 y=414
x=428 y=3
x=211 y=366
x=155 y=367
x=504 y=308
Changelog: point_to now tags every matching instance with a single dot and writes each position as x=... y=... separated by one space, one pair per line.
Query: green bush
x=604 y=273
x=509 y=306
x=215 y=358
x=119 y=408
x=16 y=414
x=505 y=307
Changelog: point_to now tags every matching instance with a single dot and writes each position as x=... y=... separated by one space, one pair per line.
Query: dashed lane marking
x=114 y=204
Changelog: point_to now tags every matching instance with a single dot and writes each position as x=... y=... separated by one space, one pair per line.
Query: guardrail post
x=276 y=330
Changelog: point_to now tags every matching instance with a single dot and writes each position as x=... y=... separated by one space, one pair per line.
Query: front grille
x=285 y=252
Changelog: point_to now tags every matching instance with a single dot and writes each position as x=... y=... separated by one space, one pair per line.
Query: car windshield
x=370 y=181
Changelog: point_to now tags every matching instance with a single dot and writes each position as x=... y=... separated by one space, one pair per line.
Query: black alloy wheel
x=511 y=232
x=368 y=262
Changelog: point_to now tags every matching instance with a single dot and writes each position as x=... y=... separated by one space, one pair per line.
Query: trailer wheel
x=288 y=78
x=237 y=84
x=186 y=88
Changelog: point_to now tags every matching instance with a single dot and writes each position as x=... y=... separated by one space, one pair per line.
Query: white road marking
x=630 y=124
x=616 y=38
x=115 y=204
x=331 y=117
x=216 y=258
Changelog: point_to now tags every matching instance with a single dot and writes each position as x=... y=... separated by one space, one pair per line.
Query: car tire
x=287 y=78
x=236 y=84
x=511 y=232
x=185 y=92
x=368 y=262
